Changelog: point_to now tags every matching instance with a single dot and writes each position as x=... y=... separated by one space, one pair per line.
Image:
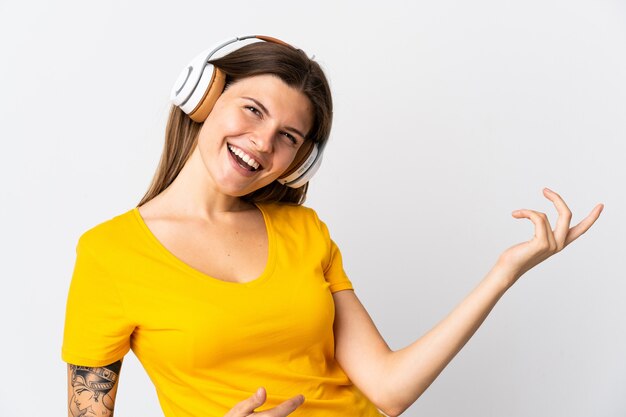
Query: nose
x=263 y=139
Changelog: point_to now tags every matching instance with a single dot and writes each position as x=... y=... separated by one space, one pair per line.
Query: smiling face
x=253 y=134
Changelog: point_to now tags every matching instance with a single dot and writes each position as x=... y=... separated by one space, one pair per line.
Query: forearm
x=412 y=369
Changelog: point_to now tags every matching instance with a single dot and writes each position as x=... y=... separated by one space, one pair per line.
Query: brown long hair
x=290 y=65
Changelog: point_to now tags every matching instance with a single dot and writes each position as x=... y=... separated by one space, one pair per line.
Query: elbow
x=397 y=401
x=390 y=406
x=393 y=402
x=394 y=411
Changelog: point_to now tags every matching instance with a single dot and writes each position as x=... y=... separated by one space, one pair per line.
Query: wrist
x=503 y=275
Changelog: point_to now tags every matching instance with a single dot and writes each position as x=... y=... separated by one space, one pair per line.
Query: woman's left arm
x=393 y=380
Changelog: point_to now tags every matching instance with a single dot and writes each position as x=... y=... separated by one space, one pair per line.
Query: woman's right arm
x=91 y=390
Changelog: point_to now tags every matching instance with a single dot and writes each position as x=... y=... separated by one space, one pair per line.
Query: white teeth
x=246 y=158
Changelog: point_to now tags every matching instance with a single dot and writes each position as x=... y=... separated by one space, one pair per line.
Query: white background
x=448 y=116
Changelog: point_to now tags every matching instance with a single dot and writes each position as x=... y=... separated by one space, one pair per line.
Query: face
x=87 y=402
x=253 y=133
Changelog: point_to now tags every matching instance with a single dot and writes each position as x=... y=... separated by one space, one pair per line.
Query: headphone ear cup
x=304 y=165
x=211 y=93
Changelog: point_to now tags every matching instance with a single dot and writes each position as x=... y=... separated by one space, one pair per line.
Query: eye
x=254 y=110
x=291 y=138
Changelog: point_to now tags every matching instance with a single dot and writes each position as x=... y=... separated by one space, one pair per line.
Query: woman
x=221 y=281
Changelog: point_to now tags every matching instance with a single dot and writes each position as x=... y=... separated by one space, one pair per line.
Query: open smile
x=243 y=159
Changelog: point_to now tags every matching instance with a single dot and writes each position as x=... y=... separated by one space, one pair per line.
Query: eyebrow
x=258 y=103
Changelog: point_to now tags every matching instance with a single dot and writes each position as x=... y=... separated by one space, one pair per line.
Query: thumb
x=256 y=400
x=247 y=406
x=259 y=396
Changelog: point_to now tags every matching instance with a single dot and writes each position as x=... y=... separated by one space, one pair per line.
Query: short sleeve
x=333 y=268
x=97 y=332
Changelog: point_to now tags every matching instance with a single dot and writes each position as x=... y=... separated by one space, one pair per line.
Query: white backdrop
x=449 y=115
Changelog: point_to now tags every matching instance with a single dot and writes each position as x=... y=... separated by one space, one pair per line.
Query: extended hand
x=546 y=242
x=247 y=406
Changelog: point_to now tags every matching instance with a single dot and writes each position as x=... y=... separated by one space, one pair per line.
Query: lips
x=245 y=160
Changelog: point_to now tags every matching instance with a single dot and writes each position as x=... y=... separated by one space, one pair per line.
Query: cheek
x=234 y=122
x=229 y=122
x=282 y=161
x=290 y=153
x=288 y=159
x=84 y=396
x=216 y=129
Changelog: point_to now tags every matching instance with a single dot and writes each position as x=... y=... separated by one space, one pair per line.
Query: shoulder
x=110 y=232
x=298 y=223
x=295 y=215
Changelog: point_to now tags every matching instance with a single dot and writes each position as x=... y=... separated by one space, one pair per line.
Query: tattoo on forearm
x=93 y=390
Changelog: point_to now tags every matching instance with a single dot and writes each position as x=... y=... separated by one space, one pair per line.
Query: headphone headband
x=199 y=86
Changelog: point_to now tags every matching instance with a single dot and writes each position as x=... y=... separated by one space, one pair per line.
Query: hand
x=546 y=242
x=247 y=406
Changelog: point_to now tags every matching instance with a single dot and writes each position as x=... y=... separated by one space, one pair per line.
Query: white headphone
x=200 y=84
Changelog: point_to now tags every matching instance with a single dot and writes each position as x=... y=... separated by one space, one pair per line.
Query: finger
x=247 y=406
x=584 y=225
x=565 y=217
x=541 y=225
x=283 y=409
x=549 y=232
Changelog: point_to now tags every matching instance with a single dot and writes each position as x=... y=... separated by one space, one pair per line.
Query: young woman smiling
x=231 y=293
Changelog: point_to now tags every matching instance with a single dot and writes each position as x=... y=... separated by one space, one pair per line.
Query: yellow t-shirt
x=208 y=344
